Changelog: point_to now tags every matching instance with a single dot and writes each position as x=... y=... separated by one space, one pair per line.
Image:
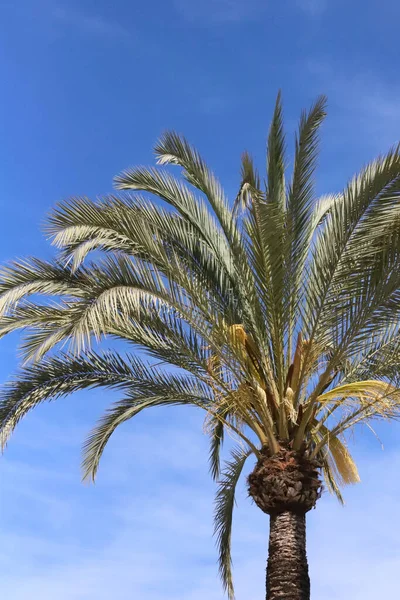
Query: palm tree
x=278 y=311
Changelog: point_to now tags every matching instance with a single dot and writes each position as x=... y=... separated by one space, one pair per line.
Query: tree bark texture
x=287 y=570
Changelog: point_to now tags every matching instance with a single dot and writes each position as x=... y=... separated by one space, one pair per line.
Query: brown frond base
x=287 y=481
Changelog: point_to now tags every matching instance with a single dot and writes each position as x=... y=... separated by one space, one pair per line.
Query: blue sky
x=87 y=87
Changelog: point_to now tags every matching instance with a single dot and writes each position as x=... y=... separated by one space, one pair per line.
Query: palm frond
x=175 y=149
x=62 y=375
x=249 y=185
x=216 y=441
x=224 y=503
x=23 y=278
x=301 y=219
x=345 y=468
x=162 y=184
x=329 y=477
x=276 y=160
x=378 y=185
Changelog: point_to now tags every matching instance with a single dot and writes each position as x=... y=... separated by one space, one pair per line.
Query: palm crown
x=279 y=310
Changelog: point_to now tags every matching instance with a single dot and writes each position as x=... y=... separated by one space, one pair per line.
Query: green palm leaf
x=224 y=503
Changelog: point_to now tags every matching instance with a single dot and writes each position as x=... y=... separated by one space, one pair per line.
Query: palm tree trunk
x=287 y=570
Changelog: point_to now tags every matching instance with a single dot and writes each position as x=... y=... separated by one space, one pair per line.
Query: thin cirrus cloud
x=220 y=10
x=237 y=11
x=313 y=8
x=364 y=99
x=92 y=24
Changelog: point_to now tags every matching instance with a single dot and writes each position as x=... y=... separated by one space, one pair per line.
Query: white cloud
x=145 y=530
